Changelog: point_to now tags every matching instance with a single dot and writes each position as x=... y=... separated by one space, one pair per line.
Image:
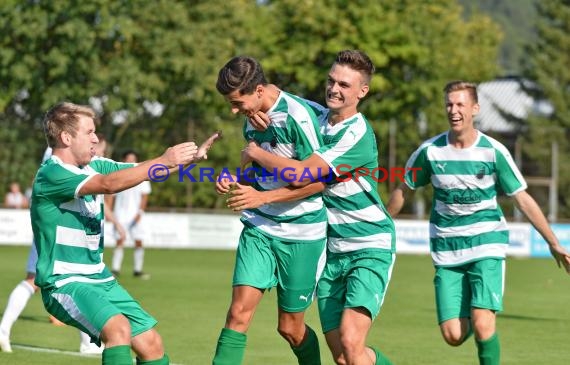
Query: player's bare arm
x=528 y=206
x=245 y=197
x=181 y=154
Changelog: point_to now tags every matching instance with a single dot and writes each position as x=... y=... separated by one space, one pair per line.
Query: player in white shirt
x=128 y=208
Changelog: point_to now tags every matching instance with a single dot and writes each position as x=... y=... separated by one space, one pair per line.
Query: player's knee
x=453 y=339
x=352 y=344
x=117 y=331
x=238 y=315
x=148 y=345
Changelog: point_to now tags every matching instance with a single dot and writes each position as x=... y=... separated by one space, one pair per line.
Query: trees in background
x=150 y=69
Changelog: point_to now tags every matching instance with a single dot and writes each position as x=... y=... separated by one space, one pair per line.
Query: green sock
x=162 y=361
x=308 y=352
x=231 y=347
x=380 y=358
x=489 y=350
x=117 y=355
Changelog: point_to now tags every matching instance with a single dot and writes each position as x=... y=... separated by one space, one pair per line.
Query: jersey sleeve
x=351 y=147
x=57 y=183
x=305 y=135
x=418 y=169
x=509 y=177
x=106 y=166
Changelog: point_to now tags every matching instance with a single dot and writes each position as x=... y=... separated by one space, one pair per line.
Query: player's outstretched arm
x=181 y=154
x=528 y=206
x=202 y=153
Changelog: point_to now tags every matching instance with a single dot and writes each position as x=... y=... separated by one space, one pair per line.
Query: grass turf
x=190 y=290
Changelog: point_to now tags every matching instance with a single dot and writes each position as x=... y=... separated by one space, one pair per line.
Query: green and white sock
x=231 y=348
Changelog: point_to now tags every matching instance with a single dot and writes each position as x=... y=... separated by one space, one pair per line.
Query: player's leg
x=367 y=277
x=118 y=253
x=453 y=304
x=18 y=300
x=487 y=284
x=89 y=308
x=254 y=271
x=138 y=233
x=299 y=265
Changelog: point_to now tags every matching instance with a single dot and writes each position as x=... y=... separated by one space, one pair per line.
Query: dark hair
x=462 y=85
x=63 y=117
x=241 y=73
x=129 y=152
x=358 y=61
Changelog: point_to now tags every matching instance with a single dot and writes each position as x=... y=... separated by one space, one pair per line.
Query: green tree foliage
x=130 y=58
x=548 y=66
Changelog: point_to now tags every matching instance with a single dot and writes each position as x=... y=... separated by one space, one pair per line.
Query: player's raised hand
x=202 y=153
x=260 y=121
x=180 y=154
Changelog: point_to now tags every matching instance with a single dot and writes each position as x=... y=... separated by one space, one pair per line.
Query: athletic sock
x=381 y=359
x=117 y=355
x=117 y=259
x=308 y=352
x=489 y=350
x=16 y=304
x=230 y=348
x=138 y=258
x=162 y=361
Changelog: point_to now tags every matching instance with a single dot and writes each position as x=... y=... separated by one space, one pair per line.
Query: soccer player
x=361 y=240
x=22 y=293
x=281 y=244
x=67 y=213
x=468 y=232
x=128 y=208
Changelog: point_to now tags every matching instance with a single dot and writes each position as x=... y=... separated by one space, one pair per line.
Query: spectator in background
x=128 y=208
x=15 y=198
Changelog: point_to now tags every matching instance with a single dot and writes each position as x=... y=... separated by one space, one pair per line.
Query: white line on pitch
x=60 y=352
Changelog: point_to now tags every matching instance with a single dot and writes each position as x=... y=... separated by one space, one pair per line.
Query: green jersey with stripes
x=293 y=133
x=67 y=227
x=356 y=215
x=466 y=222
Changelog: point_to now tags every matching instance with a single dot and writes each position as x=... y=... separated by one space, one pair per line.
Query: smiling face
x=461 y=109
x=246 y=104
x=345 y=87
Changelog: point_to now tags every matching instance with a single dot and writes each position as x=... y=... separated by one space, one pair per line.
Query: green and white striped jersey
x=68 y=228
x=356 y=215
x=293 y=133
x=466 y=222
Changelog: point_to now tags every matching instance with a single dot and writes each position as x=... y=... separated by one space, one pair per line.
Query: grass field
x=190 y=290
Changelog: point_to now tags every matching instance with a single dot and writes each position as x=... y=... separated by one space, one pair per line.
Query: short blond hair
x=64 y=117
x=462 y=85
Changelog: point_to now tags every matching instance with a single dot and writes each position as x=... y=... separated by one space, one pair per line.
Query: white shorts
x=135 y=232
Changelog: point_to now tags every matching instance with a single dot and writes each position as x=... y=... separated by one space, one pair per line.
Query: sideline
x=61 y=352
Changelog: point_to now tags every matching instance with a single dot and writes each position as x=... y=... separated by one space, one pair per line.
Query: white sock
x=85 y=338
x=16 y=304
x=138 y=257
x=117 y=258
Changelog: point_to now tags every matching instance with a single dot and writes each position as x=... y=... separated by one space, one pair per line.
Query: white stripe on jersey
x=288 y=231
x=336 y=216
x=457 y=257
x=464 y=209
x=63 y=268
x=467 y=230
x=76 y=238
x=289 y=209
x=462 y=181
x=347 y=188
x=81 y=279
x=448 y=153
x=349 y=244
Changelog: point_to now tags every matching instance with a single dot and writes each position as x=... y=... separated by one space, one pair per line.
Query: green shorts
x=88 y=307
x=264 y=262
x=351 y=280
x=478 y=284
